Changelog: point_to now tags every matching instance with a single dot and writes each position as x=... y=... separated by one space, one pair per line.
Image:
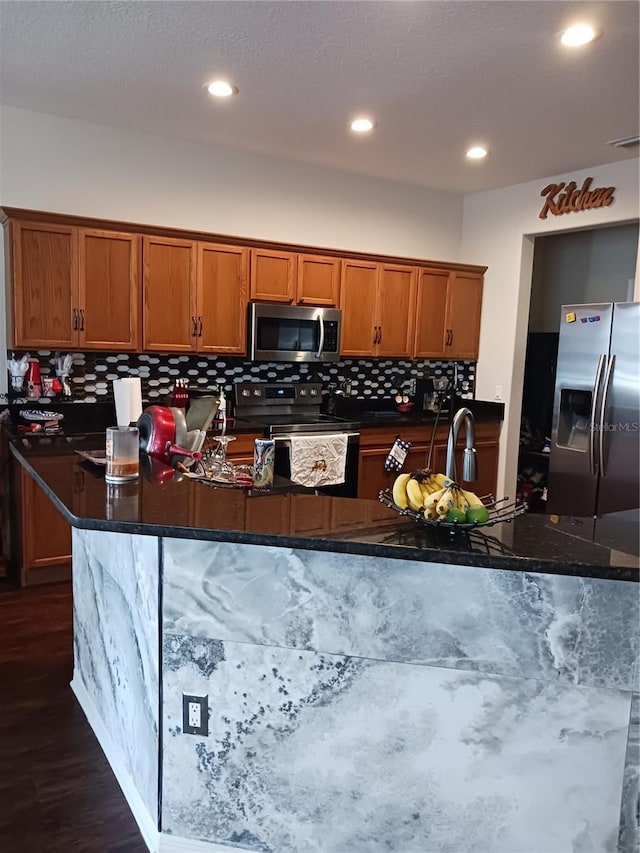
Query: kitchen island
x=370 y=685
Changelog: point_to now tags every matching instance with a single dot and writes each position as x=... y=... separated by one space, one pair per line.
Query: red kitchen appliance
x=34 y=382
x=161 y=429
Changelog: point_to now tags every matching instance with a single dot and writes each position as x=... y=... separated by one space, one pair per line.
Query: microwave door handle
x=603 y=409
x=592 y=419
x=321 y=344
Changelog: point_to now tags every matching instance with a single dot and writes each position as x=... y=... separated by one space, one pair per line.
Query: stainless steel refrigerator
x=595 y=459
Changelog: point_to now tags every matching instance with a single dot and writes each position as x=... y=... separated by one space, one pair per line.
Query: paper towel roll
x=127 y=394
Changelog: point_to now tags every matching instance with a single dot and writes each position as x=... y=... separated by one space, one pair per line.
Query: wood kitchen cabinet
x=170 y=321
x=73 y=287
x=449 y=305
x=377 y=302
x=487 y=446
x=273 y=275
x=44 y=270
x=41 y=537
x=222 y=298
x=375 y=444
x=294 y=278
x=318 y=281
x=195 y=296
x=108 y=290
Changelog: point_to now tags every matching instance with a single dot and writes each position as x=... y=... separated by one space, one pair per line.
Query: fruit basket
x=436 y=501
x=499 y=511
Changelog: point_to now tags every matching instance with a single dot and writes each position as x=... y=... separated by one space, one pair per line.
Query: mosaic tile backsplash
x=373 y=379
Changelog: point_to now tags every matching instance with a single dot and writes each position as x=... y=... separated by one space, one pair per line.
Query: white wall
x=500 y=227
x=60 y=165
x=580 y=267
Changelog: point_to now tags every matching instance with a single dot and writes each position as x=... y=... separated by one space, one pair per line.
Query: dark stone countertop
x=86 y=418
x=370 y=413
x=193 y=510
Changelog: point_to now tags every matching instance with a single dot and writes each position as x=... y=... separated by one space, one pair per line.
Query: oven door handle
x=288 y=436
x=321 y=344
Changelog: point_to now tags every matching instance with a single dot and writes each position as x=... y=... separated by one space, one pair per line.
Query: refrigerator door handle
x=603 y=410
x=592 y=419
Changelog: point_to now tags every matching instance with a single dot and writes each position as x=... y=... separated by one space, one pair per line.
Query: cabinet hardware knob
x=200 y=327
x=379 y=334
x=82 y=319
x=75 y=319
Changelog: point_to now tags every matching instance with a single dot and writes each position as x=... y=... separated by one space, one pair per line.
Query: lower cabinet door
x=45 y=533
x=268 y=514
x=486 y=464
x=372 y=477
x=310 y=515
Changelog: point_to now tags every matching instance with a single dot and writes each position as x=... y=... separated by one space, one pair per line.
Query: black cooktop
x=305 y=423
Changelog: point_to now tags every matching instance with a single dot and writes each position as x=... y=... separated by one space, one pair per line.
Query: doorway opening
x=569 y=268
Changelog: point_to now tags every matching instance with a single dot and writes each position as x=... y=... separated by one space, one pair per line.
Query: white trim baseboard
x=113 y=754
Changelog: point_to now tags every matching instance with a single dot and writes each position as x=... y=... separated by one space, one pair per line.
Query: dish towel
x=318 y=460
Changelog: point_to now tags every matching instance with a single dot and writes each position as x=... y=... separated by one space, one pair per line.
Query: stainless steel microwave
x=294 y=333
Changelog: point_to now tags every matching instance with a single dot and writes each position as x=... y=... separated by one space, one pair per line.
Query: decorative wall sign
x=567 y=198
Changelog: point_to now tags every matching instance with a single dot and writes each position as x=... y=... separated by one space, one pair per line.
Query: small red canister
x=34 y=382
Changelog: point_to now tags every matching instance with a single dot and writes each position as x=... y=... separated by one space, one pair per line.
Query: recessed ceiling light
x=221 y=89
x=578 y=35
x=362 y=125
x=476 y=153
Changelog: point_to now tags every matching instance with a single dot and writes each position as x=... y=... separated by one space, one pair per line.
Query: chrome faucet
x=469 y=454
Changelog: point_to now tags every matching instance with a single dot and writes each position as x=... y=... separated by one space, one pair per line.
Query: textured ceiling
x=437 y=76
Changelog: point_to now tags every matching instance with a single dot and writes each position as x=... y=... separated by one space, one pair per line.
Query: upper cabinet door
x=465 y=308
x=431 y=314
x=109 y=290
x=222 y=298
x=170 y=320
x=358 y=302
x=273 y=276
x=396 y=311
x=45 y=274
x=318 y=280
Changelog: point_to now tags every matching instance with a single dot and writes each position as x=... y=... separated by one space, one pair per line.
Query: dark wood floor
x=57 y=792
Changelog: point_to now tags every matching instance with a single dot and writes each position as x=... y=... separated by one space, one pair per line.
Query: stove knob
x=303 y=392
x=314 y=392
x=257 y=392
x=246 y=393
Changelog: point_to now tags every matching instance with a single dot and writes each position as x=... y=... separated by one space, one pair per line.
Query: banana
x=400 y=490
x=429 y=487
x=431 y=501
x=414 y=494
x=472 y=499
x=431 y=513
x=440 y=479
x=446 y=502
x=461 y=502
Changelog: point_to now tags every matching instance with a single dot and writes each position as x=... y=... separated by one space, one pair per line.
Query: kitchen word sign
x=567 y=198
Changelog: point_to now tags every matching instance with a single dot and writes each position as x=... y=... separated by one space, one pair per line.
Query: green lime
x=477 y=515
x=456 y=515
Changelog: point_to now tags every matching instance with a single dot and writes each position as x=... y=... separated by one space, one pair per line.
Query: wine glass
x=217 y=465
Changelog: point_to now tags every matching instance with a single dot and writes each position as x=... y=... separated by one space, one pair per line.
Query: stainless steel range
x=288 y=408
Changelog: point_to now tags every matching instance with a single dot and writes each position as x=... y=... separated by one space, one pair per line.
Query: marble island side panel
x=116 y=655
x=374 y=705
x=551 y=627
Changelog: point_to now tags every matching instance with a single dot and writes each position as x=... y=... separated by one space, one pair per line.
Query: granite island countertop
x=292 y=517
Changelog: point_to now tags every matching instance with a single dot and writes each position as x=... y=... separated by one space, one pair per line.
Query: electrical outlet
x=195 y=714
